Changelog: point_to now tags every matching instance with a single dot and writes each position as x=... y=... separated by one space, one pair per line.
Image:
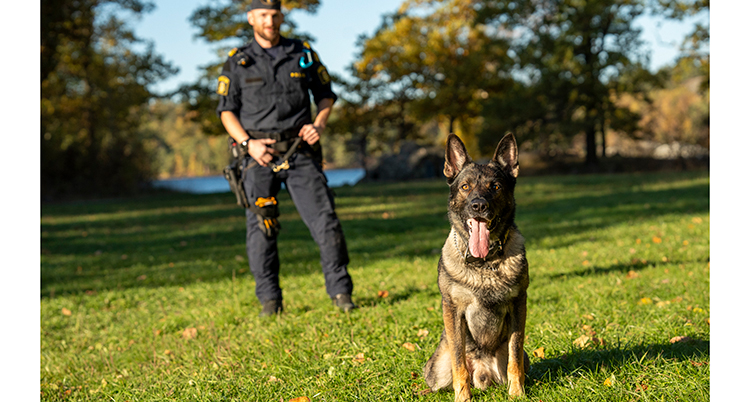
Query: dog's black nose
x=479 y=205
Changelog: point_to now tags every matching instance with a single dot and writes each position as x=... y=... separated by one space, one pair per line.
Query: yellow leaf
x=189 y=333
x=66 y=311
x=409 y=346
x=539 y=352
x=422 y=333
x=360 y=357
x=382 y=293
x=581 y=341
x=645 y=300
x=608 y=382
x=300 y=399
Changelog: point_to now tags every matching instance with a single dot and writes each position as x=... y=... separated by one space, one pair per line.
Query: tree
x=695 y=46
x=433 y=55
x=94 y=84
x=574 y=59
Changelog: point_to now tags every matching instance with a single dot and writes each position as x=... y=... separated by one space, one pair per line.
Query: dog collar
x=495 y=247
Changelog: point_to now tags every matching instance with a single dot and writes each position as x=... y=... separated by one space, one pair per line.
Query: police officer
x=265 y=106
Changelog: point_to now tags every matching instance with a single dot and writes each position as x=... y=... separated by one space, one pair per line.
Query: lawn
x=151 y=299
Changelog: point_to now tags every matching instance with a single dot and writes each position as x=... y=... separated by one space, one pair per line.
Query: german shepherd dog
x=483 y=276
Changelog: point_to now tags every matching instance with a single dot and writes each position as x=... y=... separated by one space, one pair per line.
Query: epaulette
x=240 y=57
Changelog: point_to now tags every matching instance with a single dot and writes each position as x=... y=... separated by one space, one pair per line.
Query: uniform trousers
x=308 y=188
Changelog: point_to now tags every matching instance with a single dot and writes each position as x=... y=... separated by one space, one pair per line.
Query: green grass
x=620 y=258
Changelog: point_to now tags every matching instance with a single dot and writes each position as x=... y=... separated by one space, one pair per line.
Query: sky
x=335 y=27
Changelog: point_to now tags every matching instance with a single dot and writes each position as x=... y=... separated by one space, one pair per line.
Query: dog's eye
x=465 y=187
x=496 y=187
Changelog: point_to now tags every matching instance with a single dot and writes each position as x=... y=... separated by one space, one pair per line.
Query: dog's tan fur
x=484 y=302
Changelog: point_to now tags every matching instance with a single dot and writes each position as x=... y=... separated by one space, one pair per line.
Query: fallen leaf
x=656 y=239
x=273 y=379
x=539 y=352
x=697 y=220
x=414 y=375
x=167 y=352
x=300 y=399
x=141 y=278
x=598 y=341
x=632 y=274
x=382 y=294
x=588 y=316
x=677 y=339
x=425 y=392
x=608 y=382
x=581 y=341
x=645 y=300
x=409 y=346
x=66 y=311
x=360 y=357
x=189 y=333
x=641 y=387
x=422 y=333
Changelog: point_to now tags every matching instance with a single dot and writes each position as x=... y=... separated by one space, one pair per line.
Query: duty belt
x=279 y=136
x=282 y=145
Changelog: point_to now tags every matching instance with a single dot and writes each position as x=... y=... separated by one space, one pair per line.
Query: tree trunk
x=591 y=158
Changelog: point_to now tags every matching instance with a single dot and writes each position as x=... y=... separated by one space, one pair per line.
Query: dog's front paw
x=463 y=394
x=516 y=389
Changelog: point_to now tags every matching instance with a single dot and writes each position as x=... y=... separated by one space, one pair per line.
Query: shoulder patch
x=306 y=45
x=232 y=52
x=323 y=75
x=223 y=87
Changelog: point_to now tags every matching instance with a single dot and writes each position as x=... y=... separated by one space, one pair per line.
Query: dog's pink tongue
x=479 y=238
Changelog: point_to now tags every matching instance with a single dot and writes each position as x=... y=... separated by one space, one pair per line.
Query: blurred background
x=128 y=86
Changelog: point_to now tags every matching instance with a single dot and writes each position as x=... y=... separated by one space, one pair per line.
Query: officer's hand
x=310 y=133
x=260 y=152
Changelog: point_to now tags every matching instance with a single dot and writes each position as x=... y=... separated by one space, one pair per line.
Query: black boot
x=344 y=302
x=271 y=307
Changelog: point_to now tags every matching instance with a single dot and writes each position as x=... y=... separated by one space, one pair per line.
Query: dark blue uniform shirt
x=273 y=94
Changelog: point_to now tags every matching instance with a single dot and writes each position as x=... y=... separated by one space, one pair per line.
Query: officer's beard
x=271 y=38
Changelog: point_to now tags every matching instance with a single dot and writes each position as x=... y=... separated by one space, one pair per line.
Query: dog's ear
x=455 y=157
x=506 y=154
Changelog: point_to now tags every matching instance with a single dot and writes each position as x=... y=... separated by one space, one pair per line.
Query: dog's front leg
x=455 y=332
x=516 y=366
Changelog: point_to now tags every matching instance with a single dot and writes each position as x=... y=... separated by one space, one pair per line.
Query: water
x=218 y=184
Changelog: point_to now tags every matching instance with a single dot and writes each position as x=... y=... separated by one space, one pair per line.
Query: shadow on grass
x=634 y=265
x=592 y=360
x=178 y=239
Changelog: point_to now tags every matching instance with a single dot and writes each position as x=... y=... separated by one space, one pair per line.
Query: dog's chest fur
x=487 y=294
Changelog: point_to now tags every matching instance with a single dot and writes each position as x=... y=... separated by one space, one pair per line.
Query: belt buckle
x=283 y=166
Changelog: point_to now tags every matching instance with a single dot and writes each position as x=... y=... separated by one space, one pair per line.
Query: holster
x=233 y=173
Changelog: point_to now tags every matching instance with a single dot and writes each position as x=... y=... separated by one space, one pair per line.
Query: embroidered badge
x=223 y=87
x=323 y=75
